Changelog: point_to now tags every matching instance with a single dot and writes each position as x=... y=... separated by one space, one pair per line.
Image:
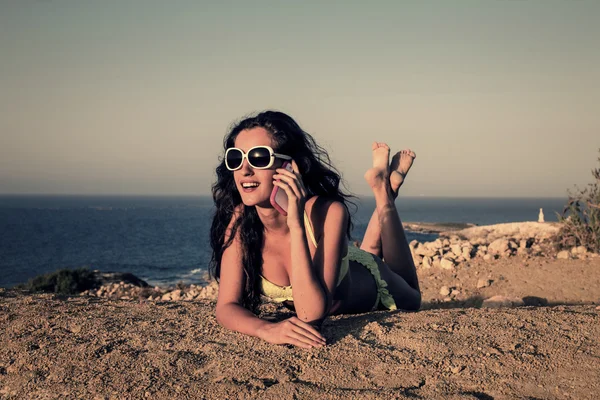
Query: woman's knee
x=409 y=300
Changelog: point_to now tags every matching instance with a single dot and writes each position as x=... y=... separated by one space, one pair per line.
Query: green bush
x=581 y=217
x=64 y=281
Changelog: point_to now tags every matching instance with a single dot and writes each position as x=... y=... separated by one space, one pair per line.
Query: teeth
x=249 y=185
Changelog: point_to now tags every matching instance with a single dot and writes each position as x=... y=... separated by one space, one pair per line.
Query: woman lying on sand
x=257 y=250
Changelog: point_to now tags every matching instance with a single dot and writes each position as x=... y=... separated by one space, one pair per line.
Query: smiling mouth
x=249 y=187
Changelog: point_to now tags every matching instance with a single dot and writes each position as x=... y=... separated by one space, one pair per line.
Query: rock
x=481 y=283
x=413 y=244
x=447 y=264
x=563 y=255
x=498 y=246
x=502 y=301
x=457 y=369
x=581 y=250
x=488 y=257
x=456 y=249
x=424 y=251
x=426 y=262
x=166 y=297
x=438 y=244
x=444 y=291
x=479 y=241
x=445 y=242
x=177 y=295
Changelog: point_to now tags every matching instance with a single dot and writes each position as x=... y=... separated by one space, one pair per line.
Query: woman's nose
x=246 y=168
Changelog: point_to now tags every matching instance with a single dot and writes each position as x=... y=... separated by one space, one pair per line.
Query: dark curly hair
x=318 y=175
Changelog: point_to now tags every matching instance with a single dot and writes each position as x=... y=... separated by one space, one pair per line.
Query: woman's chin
x=252 y=200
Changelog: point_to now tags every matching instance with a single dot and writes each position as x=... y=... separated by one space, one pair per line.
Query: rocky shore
x=453 y=250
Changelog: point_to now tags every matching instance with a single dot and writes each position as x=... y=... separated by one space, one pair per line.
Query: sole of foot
x=399 y=167
x=378 y=174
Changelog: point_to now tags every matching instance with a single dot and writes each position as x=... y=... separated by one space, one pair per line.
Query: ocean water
x=165 y=240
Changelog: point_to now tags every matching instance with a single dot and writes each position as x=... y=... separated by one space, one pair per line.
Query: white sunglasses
x=259 y=157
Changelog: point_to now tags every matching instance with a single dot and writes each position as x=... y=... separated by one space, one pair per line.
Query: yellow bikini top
x=284 y=293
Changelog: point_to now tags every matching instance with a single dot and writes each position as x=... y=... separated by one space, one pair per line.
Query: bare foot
x=378 y=175
x=401 y=163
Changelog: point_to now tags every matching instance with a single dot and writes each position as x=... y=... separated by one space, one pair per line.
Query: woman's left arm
x=313 y=285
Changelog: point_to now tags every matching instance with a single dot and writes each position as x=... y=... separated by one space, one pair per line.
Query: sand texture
x=89 y=347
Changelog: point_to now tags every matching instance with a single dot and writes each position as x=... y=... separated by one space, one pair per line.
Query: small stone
x=498 y=246
x=447 y=264
x=488 y=257
x=456 y=249
x=426 y=262
x=482 y=283
x=457 y=369
x=574 y=250
x=581 y=250
x=444 y=291
x=563 y=255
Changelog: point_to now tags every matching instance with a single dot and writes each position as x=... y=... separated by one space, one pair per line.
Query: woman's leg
x=394 y=246
x=399 y=167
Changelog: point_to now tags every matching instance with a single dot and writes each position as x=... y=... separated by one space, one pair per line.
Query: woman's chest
x=277 y=259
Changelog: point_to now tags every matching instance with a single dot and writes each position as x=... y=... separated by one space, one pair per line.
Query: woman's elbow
x=221 y=314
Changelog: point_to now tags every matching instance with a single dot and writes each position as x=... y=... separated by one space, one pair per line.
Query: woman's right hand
x=293 y=331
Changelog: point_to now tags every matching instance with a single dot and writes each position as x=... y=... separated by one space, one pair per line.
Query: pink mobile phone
x=279 y=198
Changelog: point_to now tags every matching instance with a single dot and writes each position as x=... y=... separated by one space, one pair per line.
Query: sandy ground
x=85 y=347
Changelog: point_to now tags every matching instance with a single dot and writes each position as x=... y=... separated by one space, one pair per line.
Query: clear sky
x=497 y=98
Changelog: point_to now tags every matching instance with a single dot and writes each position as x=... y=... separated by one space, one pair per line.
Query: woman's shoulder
x=319 y=208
